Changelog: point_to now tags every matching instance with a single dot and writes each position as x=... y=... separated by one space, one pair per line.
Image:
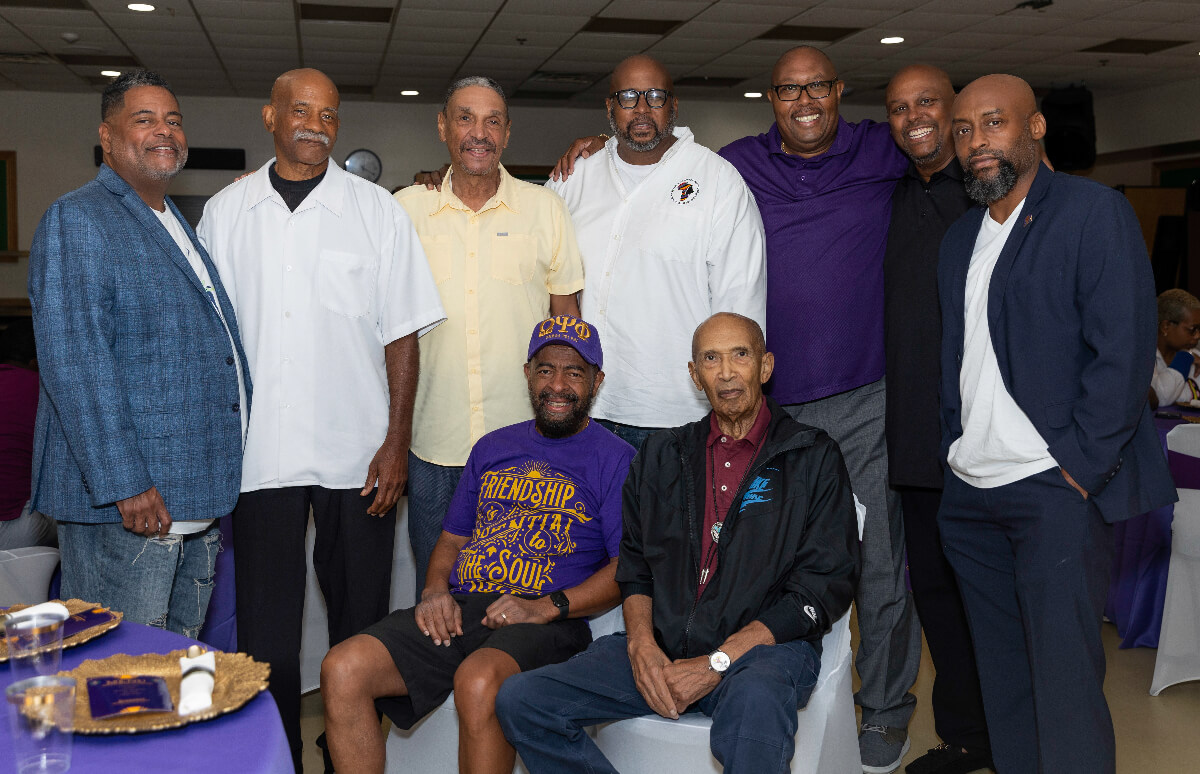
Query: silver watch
x=718 y=661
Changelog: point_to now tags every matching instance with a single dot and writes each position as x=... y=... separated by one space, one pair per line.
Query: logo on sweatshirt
x=685 y=191
x=759 y=491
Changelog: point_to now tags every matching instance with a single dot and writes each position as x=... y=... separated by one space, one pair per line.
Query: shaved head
x=996 y=131
x=635 y=68
x=918 y=102
x=804 y=58
x=285 y=84
x=1007 y=90
x=926 y=75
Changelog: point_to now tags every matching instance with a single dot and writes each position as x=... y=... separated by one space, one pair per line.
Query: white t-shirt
x=999 y=444
x=659 y=258
x=631 y=174
x=177 y=232
x=318 y=293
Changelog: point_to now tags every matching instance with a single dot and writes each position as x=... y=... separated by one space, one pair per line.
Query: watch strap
x=563 y=604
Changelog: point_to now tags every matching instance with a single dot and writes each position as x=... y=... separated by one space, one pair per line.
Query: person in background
x=20 y=525
x=1175 y=357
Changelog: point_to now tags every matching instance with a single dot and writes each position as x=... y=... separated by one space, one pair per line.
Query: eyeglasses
x=788 y=92
x=1192 y=329
x=628 y=98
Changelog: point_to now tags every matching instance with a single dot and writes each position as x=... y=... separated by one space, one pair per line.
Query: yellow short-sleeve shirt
x=495 y=270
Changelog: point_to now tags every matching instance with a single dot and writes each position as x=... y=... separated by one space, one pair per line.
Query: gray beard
x=648 y=145
x=985 y=191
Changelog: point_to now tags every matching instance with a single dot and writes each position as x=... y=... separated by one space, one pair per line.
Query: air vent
x=1133 y=46
x=719 y=83
x=43 y=5
x=99 y=60
x=6 y=58
x=800 y=32
x=345 y=13
x=619 y=26
x=565 y=79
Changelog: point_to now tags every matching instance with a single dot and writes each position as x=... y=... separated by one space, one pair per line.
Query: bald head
x=922 y=75
x=730 y=322
x=303 y=118
x=996 y=130
x=730 y=364
x=918 y=102
x=803 y=58
x=637 y=68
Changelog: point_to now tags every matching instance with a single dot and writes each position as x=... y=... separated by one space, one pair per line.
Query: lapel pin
x=1028 y=219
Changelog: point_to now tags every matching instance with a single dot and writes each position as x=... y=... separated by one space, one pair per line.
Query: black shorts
x=428 y=669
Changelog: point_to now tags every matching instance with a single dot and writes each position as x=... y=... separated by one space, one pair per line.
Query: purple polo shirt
x=826 y=220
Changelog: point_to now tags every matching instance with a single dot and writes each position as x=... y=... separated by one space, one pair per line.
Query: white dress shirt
x=1168 y=384
x=318 y=294
x=659 y=259
x=999 y=445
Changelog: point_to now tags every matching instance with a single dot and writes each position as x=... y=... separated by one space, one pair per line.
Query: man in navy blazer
x=140 y=419
x=1048 y=316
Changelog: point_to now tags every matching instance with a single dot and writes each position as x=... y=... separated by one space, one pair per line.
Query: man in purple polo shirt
x=824 y=189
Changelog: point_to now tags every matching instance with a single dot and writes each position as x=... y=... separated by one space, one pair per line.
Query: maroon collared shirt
x=726 y=461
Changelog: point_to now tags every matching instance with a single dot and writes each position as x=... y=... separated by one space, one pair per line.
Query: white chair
x=25 y=575
x=1178 y=658
x=826 y=738
x=314 y=637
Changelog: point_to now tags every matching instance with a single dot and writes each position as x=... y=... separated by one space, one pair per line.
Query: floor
x=1155 y=735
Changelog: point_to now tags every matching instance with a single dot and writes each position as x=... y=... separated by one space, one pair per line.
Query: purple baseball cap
x=575 y=333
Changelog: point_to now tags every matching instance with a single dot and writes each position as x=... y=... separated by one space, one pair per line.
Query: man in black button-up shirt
x=926 y=201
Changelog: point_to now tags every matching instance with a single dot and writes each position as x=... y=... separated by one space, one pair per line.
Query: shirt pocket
x=438 y=252
x=343 y=283
x=514 y=257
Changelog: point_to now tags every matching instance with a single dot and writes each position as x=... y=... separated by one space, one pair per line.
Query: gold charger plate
x=239 y=679
x=74 y=607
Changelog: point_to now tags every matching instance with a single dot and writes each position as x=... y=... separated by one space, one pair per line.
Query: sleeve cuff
x=634 y=588
x=786 y=623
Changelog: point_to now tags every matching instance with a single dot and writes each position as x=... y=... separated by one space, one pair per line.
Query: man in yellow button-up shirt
x=504 y=256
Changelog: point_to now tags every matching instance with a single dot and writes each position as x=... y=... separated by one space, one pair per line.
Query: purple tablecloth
x=250 y=740
x=220 y=625
x=1141 y=555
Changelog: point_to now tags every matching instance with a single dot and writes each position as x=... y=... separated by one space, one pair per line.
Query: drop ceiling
x=561 y=51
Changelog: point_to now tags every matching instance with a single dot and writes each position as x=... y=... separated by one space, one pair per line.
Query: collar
x=841 y=142
x=329 y=193
x=506 y=194
x=953 y=171
x=683 y=136
x=758 y=431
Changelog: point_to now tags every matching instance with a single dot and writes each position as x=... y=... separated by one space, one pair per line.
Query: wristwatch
x=562 y=603
x=718 y=661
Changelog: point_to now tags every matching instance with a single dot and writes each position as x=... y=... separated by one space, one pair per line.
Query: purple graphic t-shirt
x=542 y=514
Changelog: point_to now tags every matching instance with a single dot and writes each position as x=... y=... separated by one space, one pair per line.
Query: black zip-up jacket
x=788 y=554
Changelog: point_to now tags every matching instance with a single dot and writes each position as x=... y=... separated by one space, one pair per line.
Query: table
x=250 y=740
x=1141 y=555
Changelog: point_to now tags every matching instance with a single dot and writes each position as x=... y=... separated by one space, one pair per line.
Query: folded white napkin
x=196 y=687
x=53 y=609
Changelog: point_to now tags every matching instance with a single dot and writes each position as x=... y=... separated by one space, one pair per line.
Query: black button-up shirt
x=921 y=214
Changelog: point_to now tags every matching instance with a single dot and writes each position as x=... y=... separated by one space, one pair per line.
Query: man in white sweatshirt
x=670 y=235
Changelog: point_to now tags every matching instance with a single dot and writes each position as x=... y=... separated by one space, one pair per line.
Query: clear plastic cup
x=34 y=644
x=41 y=711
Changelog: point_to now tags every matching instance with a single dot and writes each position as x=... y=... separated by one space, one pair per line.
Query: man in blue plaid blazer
x=141 y=415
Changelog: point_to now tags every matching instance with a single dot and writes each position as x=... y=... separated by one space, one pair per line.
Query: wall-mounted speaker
x=1070 y=128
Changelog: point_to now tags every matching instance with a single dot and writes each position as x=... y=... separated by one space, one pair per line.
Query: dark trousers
x=1032 y=561
x=352 y=558
x=957 y=701
x=753 y=708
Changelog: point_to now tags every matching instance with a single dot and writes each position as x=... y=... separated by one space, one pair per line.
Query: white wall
x=53 y=136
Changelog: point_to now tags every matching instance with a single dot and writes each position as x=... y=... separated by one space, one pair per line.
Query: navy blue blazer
x=138 y=383
x=1072 y=317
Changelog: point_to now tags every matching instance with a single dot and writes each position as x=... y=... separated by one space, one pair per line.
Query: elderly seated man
x=739 y=550
x=1175 y=361
x=528 y=548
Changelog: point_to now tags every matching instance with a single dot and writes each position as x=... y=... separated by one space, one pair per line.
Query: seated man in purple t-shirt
x=528 y=548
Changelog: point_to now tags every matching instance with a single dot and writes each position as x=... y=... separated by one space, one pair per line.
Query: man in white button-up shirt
x=331 y=286
x=670 y=235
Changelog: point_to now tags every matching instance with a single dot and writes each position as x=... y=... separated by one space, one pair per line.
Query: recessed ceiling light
x=892 y=40
x=110 y=73
x=752 y=94
x=143 y=7
x=409 y=93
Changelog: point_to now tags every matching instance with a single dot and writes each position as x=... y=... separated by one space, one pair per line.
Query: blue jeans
x=164 y=582
x=753 y=708
x=630 y=434
x=430 y=489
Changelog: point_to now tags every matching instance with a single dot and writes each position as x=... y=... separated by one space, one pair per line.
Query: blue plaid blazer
x=138 y=382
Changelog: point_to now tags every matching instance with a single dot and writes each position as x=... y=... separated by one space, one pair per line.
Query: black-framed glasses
x=788 y=92
x=628 y=98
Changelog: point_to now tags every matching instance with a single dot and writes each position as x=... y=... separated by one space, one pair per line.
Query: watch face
x=719 y=661
x=365 y=164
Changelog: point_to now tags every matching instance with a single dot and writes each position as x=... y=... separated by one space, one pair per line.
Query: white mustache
x=304 y=134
